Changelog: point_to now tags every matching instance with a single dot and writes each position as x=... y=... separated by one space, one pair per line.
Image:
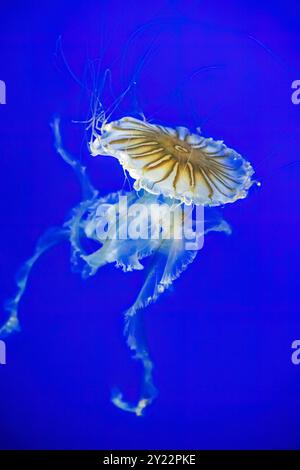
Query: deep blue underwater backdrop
x=221 y=340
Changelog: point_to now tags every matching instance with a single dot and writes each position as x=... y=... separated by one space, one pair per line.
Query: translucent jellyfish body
x=126 y=233
x=175 y=162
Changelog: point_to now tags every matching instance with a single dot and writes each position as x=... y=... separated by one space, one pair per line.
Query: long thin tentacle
x=88 y=190
x=50 y=238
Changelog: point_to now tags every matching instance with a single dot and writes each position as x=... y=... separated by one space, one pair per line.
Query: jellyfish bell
x=175 y=162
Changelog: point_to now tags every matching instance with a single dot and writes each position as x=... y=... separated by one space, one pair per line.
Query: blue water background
x=221 y=340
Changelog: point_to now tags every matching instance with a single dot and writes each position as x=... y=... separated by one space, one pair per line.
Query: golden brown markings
x=135 y=141
x=144 y=151
x=121 y=141
x=145 y=154
x=145 y=130
x=219 y=157
x=200 y=159
x=175 y=181
x=225 y=183
x=190 y=154
x=179 y=148
x=139 y=146
x=211 y=171
x=197 y=146
x=220 y=176
x=158 y=162
x=220 y=166
x=207 y=182
x=213 y=182
x=148 y=126
x=211 y=153
x=220 y=171
x=191 y=172
x=216 y=173
x=145 y=157
x=174 y=146
x=209 y=176
x=201 y=154
x=168 y=173
x=132 y=131
x=217 y=189
x=206 y=164
x=222 y=182
x=163 y=138
x=224 y=175
x=188 y=161
x=229 y=180
x=141 y=133
x=208 y=154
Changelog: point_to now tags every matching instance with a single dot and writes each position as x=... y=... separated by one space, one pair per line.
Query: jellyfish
x=175 y=162
x=179 y=177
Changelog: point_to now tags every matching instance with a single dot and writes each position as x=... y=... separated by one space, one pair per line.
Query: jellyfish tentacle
x=137 y=343
x=50 y=238
x=133 y=331
x=88 y=190
x=169 y=261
